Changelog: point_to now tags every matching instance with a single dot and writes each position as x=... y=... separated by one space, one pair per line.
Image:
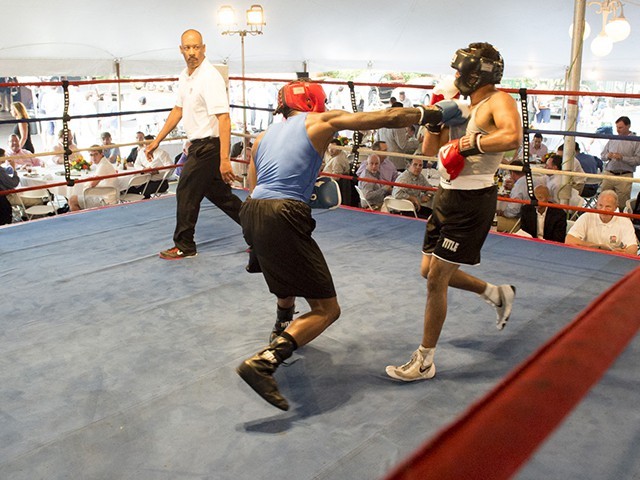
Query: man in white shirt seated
x=160 y=159
x=102 y=168
x=604 y=232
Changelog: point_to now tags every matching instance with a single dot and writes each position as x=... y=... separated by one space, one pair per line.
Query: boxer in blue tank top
x=277 y=223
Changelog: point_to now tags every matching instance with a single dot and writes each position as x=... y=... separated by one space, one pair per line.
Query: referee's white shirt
x=202 y=95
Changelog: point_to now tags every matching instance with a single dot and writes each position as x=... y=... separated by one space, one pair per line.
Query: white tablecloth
x=48 y=175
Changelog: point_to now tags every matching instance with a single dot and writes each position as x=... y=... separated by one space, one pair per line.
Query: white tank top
x=478 y=169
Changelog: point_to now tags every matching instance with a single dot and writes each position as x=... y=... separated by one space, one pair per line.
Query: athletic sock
x=427 y=354
x=492 y=294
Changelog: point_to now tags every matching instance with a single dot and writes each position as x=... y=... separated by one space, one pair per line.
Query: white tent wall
x=58 y=37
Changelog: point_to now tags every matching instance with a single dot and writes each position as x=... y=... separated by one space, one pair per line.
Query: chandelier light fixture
x=615 y=30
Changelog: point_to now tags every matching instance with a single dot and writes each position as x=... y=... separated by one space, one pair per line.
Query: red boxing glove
x=435 y=98
x=450 y=160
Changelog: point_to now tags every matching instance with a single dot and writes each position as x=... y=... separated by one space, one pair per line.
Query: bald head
x=191 y=36
x=541 y=193
x=609 y=196
x=192 y=49
x=607 y=201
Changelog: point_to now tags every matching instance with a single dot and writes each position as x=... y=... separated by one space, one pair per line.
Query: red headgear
x=301 y=96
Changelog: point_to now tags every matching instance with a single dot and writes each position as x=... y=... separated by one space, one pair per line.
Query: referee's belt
x=620 y=172
x=205 y=140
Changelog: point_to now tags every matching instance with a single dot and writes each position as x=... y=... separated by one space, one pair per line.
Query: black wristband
x=434 y=129
x=429 y=116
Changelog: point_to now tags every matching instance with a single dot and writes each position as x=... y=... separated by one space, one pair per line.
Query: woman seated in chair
x=58 y=159
x=103 y=167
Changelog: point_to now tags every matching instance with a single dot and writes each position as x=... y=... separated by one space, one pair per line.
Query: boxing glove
x=253 y=265
x=326 y=194
x=454 y=112
x=430 y=115
x=450 y=161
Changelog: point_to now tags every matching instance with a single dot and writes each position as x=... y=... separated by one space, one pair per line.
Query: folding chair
x=363 y=200
x=100 y=196
x=399 y=205
x=165 y=177
x=629 y=208
x=45 y=208
x=136 y=181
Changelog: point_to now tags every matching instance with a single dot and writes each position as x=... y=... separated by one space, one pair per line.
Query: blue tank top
x=287 y=164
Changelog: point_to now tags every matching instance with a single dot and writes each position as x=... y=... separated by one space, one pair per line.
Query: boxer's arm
x=322 y=126
x=508 y=132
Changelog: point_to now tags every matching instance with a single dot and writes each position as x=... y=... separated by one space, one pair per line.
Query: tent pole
x=116 y=63
x=573 y=84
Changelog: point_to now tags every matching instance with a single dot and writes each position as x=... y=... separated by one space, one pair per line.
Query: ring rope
x=65 y=135
x=357 y=136
x=88 y=115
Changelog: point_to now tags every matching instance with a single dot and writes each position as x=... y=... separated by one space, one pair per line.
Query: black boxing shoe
x=258 y=371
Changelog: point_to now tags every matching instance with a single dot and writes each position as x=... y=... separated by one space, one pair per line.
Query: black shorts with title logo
x=459 y=224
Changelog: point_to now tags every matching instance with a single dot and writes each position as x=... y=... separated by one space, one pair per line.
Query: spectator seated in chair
x=103 y=168
x=373 y=192
x=387 y=169
x=335 y=160
x=544 y=222
x=604 y=232
x=15 y=150
x=133 y=154
x=421 y=199
x=9 y=180
x=160 y=159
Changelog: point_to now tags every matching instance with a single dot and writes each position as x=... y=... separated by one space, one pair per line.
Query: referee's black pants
x=201 y=178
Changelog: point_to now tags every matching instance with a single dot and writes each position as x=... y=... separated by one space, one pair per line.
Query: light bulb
x=601 y=45
x=226 y=16
x=587 y=31
x=618 y=29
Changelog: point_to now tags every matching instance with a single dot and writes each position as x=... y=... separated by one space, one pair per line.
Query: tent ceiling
x=67 y=37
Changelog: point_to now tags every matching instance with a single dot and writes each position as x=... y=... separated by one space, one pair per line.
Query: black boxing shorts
x=459 y=224
x=279 y=234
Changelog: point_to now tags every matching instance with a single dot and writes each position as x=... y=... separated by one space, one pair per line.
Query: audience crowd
x=618 y=159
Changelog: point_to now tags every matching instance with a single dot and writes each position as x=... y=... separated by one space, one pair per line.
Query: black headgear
x=476 y=70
